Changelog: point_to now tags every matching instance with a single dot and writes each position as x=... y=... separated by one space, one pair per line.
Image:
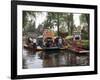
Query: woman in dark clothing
x=56 y=41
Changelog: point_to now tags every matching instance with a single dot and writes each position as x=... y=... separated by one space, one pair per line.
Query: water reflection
x=42 y=59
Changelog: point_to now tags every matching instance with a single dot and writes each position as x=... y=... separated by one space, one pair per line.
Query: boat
x=43 y=48
x=78 y=50
x=51 y=48
x=73 y=49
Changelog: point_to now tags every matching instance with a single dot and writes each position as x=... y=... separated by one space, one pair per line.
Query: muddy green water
x=44 y=59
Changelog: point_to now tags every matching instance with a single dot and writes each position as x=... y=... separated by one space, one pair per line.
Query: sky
x=76 y=20
x=40 y=18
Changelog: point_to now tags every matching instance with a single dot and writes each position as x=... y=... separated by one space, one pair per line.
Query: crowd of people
x=48 y=42
x=57 y=42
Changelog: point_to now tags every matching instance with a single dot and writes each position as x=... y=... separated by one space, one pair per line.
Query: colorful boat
x=78 y=50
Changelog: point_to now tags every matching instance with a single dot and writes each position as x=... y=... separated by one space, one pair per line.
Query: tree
x=84 y=19
x=70 y=23
x=28 y=20
x=60 y=20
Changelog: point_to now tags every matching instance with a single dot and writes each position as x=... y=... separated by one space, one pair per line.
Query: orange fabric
x=48 y=34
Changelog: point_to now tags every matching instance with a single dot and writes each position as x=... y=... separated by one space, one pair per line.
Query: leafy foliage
x=84 y=18
x=28 y=21
x=63 y=22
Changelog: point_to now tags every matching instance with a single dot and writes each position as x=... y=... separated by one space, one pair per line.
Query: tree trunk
x=58 y=24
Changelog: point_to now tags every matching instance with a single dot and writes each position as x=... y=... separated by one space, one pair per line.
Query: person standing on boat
x=60 y=42
x=34 y=44
x=56 y=41
x=29 y=39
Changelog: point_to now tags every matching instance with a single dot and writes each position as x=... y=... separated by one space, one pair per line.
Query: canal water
x=44 y=59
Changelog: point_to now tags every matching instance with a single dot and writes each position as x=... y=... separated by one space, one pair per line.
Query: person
x=34 y=44
x=34 y=40
x=60 y=42
x=56 y=41
x=29 y=40
x=49 y=42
